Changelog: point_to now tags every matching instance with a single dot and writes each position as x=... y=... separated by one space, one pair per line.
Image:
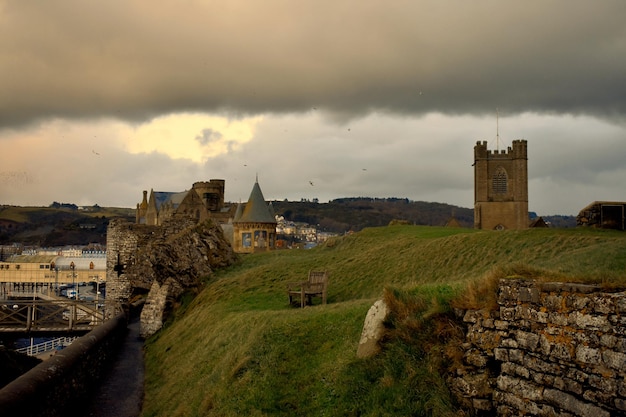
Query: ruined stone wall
x=123 y=242
x=550 y=349
x=162 y=262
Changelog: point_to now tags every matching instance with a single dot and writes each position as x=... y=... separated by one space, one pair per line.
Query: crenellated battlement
x=518 y=149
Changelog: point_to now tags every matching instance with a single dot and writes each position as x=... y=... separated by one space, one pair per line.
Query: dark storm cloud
x=137 y=59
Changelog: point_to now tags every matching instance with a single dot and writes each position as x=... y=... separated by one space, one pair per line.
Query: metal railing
x=34 y=350
x=54 y=315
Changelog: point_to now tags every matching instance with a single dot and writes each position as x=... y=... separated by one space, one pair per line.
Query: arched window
x=500 y=180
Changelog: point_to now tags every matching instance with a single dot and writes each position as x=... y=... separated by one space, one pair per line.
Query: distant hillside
x=66 y=224
x=354 y=214
x=58 y=225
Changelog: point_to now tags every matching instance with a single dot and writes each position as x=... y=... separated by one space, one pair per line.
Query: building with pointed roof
x=254 y=224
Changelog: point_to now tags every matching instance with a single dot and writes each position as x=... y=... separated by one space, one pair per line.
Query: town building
x=249 y=227
x=45 y=273
x=254 y=224
x=204 y=200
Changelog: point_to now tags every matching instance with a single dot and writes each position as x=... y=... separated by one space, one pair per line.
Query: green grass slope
x=239 y=349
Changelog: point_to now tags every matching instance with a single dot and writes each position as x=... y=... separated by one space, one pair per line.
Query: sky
x=317 y=98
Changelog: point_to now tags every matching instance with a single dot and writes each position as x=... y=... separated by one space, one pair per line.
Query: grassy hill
x=237 y=348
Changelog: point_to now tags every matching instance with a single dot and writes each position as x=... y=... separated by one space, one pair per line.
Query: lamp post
x=72 y=266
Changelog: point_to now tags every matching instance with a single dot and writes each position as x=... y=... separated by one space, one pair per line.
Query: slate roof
x=161 y=197
x=256 y=210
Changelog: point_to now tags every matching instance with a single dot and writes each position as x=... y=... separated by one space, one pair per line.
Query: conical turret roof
x=256 y=210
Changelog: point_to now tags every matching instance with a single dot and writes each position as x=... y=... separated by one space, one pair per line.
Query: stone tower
x=501 y=187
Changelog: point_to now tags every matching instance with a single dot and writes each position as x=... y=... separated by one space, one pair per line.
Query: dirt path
x=121 y=392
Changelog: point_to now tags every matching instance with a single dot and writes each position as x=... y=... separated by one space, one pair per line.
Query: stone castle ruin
x=179 y=239
x=163 y=262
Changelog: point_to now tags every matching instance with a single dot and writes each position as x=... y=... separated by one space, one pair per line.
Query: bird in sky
x=311 y=182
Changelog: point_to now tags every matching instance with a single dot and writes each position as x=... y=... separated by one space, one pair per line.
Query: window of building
x=500 y=180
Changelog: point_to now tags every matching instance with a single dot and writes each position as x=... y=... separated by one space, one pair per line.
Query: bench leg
x=302 y=299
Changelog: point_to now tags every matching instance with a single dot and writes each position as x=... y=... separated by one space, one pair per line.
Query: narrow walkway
x=121 y=392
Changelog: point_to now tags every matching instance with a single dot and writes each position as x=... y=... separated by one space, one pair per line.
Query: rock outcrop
x=164 y=261
x=373 y=330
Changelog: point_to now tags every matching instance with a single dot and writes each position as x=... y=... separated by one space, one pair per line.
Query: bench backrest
x=318 y=280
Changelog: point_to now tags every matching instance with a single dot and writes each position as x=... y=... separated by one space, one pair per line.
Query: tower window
x=500 y=180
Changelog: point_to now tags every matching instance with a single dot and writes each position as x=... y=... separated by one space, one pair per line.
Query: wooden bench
x=304 y=291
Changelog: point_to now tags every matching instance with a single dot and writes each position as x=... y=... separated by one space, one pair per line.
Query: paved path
x=121 y=392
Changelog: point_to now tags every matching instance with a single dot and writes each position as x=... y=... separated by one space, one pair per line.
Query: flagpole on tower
x=497 y=130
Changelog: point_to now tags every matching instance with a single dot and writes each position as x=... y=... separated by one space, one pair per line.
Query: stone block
x=527 y=340
x=591 y=339
x=536 y=363
x=587 y=355
x=562 y=352
x=608 y=341
x=614 y=360
x=507 y=313
x=476 y=316
x=572 y=404
x=510 y=368
x=603 y=304
x=589 y=322
x=558 y=319
x=578 y=302
x=476 y=358
x=501 y=324
x=576 y=374
x=569 y=385
x=545 y=346
x=554 y=303
x=516 y=355
x=606 y=385
x=522 y=388
x=598 y=397
x=501 y=354
x=508 y=342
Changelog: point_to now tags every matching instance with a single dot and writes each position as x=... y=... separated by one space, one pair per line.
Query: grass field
x=237 y=348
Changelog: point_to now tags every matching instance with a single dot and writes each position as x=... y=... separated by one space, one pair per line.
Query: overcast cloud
x=101 y=100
